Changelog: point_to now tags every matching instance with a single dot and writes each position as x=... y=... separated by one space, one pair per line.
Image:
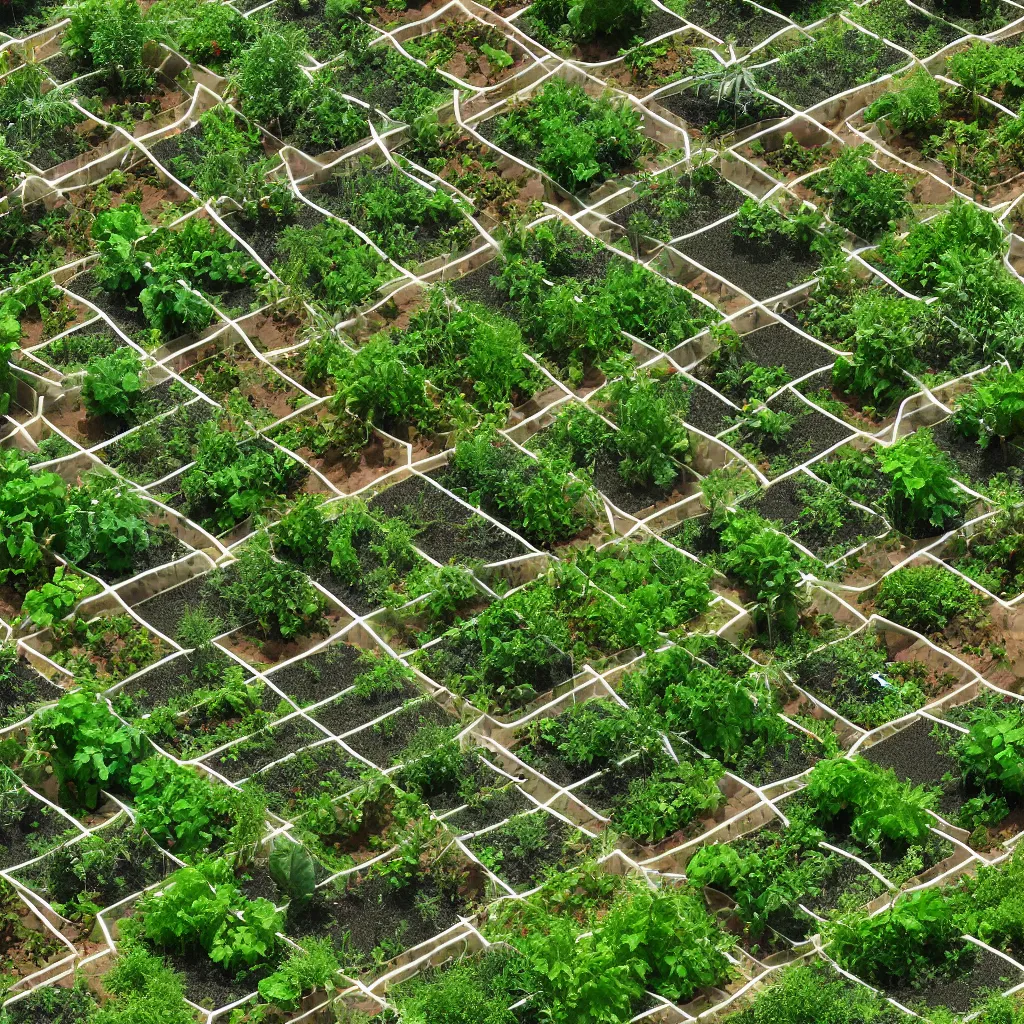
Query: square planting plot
x=174 y=679
x=105 y=649
x=668 y=206
x=987 y=552
x=304 y=779
x=369 y=915
x=837 y=58
x=735 y=21
x=898 y=860
x=761 y=270
x=356 y=708
x=524 y=848
x=242 y=382
x=751 y=367
x=906 y=26
x=225 y=708
x=877 y=675
x=608 y=129
x=496 y=661
x=727 y=708
x=166 y=610
x=471 y=51
x=791 y=150
x=391 y=83
x=658 y=63
x=320 y=675
x=359 y=825
x=603 y=452
x=401 y=215
x=102 y=868
x=976 y=465
x=817 y=515
x=819 y=879
x=550 y=31
x=248 y=756
x=29 y=828
x=162 y=446
x=404 y=733
x=70 y=353
x=445 y=528
x=706 y=117
x=694 y=793
x=450 y=779
x=22 y=687
x=784 y=434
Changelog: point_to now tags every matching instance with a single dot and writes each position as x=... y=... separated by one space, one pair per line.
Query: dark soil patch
x=782 y=761
x=271 y=744
x=121 y=307
x=977 y=465
x=517 y=866
x=476 y=287
x=707 y=411
x=806 y=82
x=982 y=972
x=631 y=500
x=920 y=758
x=773 y=346
x=732 y=21
x=445 y=529
x=489 y=810
x=760 y=271
x=162 y=447
x=165 y=611
x=28 y=829
x=842 y=877
x=384 y=741
x=709 y=201
x=374 y=912
x=139 y=864
x=703 y=111
x=173 y=678
x=208 y=984
x=22 y=687
x=784 y=503
x=319 y=675
x=350 y=711
x=264 y=233
x=324 y=769
x=811 y=434
x=696 y=536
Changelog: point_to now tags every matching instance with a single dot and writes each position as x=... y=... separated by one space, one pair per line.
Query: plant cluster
x=578 y=140
x=595 y=971
x=537 y=496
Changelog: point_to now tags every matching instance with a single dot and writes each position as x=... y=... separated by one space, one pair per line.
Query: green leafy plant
x=201 y=906
x=921 y=489
x=88 y=747
x=279 y=597
x=927 y=598
x=862 y=198
x=579 y=141
x=113 y=383
x=766 y=562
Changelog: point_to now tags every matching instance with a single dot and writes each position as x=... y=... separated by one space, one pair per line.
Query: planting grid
x=310 y=717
